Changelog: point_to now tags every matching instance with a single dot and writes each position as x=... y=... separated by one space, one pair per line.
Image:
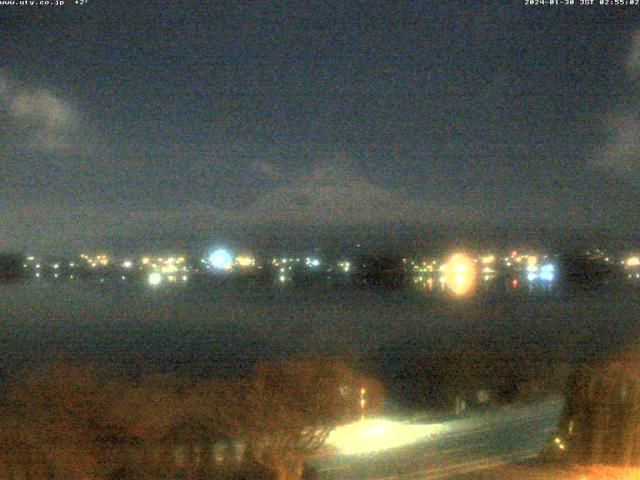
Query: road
x=447 y=449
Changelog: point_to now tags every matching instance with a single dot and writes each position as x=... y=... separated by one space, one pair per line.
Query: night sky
x=131 y=122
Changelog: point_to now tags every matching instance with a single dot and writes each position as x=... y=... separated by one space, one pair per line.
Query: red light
x=515 y=283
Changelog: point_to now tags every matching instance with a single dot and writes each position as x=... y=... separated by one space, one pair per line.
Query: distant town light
x=312 y=262
x=487 y=259
x=127 y=264
x=547 y=272
x=245 y=260
x=155 y=278
x=221 y=259
x=633 y=261
x=460 y=274
x=170 y=268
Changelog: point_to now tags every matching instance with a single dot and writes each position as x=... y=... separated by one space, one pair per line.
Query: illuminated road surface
x=443 y=450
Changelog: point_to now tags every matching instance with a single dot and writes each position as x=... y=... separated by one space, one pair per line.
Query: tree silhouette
x=64 y=421
x=601 y=419
x=291 y=407
x=57 y=424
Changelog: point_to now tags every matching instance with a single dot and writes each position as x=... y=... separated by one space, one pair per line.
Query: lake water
x=225 y=329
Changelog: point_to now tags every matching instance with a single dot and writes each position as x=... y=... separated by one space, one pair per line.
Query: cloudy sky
x=139 y=121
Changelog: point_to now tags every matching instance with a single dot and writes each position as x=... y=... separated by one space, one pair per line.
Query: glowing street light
x=547 y=272
x=155 y=278
x=221 y=259
x=379 y=434
x=245 y=261
x=312 y=262
x=486 y=260
x=633 y=262
x=460 y=274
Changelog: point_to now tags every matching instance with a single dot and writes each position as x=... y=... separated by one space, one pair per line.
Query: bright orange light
x=245 y=260
x=460 y=274
x=488 y=259
x=532 y=260
x=633 y=261
x=169 y=268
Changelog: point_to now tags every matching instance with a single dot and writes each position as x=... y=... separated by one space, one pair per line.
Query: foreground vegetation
x=76 y=422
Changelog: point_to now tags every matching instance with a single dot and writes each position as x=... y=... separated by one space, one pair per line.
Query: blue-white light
x=312 y=262
x=221 y=259
x=547 y=272
x=531 y=276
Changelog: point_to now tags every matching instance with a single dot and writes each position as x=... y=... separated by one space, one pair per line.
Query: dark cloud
x=620 y=152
